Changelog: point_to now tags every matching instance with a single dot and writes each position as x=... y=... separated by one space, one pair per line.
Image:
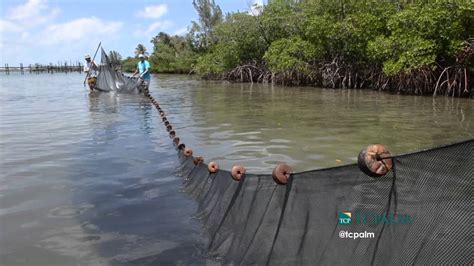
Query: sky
x=52 y=31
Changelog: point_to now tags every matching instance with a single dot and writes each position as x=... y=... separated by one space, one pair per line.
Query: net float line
x=375 y=160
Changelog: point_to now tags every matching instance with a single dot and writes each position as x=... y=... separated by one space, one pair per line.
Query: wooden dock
x=40 y=69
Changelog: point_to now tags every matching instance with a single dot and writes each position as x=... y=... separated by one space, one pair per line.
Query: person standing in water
x=91 y=69
x=143 y=68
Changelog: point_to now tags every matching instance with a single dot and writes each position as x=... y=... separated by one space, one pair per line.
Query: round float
x=188 y=152
x=237 y=172
x=375 y=160
x=213 y=167
x=172 y=134
x=198 y=160
x=281 y=173
x=176 y=141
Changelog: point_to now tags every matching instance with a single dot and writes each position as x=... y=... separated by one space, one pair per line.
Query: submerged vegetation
x=416 y=47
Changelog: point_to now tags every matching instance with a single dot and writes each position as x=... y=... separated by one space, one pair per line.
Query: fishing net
x=419 y=212
x=111 y=79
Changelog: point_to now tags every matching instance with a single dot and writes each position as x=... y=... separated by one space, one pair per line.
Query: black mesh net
x=110 y=79
x=420 y=212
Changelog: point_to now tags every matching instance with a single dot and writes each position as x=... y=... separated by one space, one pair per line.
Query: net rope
x=420 y=212
x=256 y=221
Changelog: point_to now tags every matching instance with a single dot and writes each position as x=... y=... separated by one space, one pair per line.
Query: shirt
x=142 y=66
x=91 y=68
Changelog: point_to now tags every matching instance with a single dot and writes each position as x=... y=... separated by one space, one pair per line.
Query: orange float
x=213 y=167
x=375 y=160
x=237 y=172
x=281 y=173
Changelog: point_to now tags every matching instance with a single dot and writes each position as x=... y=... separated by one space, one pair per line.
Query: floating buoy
x=164 y=119
x=281 y=173
x=176 y=141
x=237 y=172
x=213 y=167
x=188 y=152
x=169 y=128
x=172 y=134
x=375 y=160
x=167 y=123
x=198 y=160
x=181 y=146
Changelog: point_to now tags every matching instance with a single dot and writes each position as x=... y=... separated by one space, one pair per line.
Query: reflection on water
x=89 y=178
x=260 y=125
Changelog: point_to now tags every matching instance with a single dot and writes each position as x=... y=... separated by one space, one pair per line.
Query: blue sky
x=48 y=31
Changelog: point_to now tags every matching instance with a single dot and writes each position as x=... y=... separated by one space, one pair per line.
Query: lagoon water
x=90 y=178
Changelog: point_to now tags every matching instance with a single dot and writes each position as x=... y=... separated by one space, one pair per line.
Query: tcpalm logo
x=345 y=218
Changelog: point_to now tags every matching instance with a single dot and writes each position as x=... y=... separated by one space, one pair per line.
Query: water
x=90 y=178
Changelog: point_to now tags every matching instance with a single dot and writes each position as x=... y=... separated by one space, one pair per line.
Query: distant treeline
x=417 y=47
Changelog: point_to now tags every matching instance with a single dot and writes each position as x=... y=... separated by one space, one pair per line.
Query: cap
x=141 y=56
x=87 y=56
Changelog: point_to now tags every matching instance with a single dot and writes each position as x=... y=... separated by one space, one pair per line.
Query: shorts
x=91 y=81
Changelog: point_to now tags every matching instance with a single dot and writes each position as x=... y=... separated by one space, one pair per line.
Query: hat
x=87 y=56
x=141 y=56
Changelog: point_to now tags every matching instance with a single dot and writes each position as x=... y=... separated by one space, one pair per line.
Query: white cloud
x=154 y=28
x=8 y=26
x=32 y=13
x=79 y=29
x=153 y=12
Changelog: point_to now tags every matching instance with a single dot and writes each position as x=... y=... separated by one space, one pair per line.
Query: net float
x=198 y=160
x=237 y=172
x=181 y=146
x=375 y=160
x=281 y=173
x=188 y=152
x=172 y=134
x=176 y=141
x=213 y=167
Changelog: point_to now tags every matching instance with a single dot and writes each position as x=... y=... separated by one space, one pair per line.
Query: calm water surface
x=91 y=178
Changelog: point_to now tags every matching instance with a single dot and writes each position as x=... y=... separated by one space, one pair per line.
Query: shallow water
x=91 y=178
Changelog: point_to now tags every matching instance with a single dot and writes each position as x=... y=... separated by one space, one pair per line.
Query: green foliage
x=171 y=54
x=281 y=19
x=420 y=36
x=202 y=32
x=393 y=36
x=290 y=55
x=210 y=64
x=130 y=64
x=239 y=42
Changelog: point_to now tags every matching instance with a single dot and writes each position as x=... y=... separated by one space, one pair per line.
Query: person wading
x=91 y=69
x=143 y=67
